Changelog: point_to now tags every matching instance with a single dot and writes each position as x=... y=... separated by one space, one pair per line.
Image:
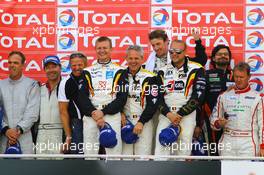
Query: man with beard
x=218 y=79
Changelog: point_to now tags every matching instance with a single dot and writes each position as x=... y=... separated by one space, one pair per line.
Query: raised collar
x=16 y=81
x=136 y=72
x=104 y=63
x=241 y=91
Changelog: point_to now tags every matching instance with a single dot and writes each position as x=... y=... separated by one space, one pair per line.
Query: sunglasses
x=177 y=51
x=78 y=55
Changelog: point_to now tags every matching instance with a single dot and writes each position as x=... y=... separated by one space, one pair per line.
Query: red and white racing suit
x=243 y=133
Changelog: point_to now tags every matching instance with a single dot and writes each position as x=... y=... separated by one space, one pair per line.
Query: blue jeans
x=77 y=136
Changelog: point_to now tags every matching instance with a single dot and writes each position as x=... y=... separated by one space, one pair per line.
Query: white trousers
x=91 y=134
x=143 y=146
x=183 y=146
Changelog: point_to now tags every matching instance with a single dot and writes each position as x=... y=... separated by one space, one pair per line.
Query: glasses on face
x=177 y=51
x=223 y=53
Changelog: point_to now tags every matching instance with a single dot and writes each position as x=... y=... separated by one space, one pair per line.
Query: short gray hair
x=136 y=48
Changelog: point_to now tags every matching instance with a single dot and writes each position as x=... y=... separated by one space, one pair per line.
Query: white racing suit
x=243 y=133
x=49 y=136
x=21 y=101
x=183 y=91
x=104 y=82
x=142 y=103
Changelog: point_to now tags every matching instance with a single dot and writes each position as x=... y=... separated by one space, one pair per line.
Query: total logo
x=162 y=2
x=161 y=17
x=25 y=19
x=30 y=1
x=67 y=2
x=66 y=17
x=255 y=40
x=65 y=64
x=255 y=62
x=255 y=1
x=91 y=16
x=186 y=16
x=117 y=41
x=255 y=16
x=257 y=84
x=30 y=65
x=67 y=42
x=25 y=42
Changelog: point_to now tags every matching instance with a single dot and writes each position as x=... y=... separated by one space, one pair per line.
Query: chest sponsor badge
x=109 y=74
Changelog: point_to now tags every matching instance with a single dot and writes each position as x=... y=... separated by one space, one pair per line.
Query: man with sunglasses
x=183 y=90
x=72 y=92
x=160 y=57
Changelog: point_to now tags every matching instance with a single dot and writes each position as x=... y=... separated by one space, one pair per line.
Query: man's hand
x=222 y=122
x=174 y=118
x=261 y=151
x=195 y=34
x=12 y=135
x=197 y=132
x=66 y=145
x=138 y=128
x=97 y=114
x=123 y=119
x=100 y=123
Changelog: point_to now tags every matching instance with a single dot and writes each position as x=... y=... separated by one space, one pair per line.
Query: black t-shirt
x=75 y=90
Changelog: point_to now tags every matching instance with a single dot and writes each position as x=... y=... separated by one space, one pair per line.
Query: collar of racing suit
x=240 y=91
x=16 y=81
x=185 y=64
x=136 y=72
x=134 y=76
x=104 y=63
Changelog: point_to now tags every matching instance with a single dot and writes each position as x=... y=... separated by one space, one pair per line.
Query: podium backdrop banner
x=43 y=27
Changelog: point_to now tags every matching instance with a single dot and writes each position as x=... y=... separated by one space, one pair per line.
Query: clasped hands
x=98 y=116
x=174 y=118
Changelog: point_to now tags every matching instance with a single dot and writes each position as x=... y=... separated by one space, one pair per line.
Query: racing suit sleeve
x=31 y=113
x=260 y=116
x=121 y=96
x=152 y=100
x=217 y=113
x=164 y=109
x=197 y=96
x=200 y=54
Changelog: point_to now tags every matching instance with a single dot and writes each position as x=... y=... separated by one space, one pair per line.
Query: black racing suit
x=217 y=81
